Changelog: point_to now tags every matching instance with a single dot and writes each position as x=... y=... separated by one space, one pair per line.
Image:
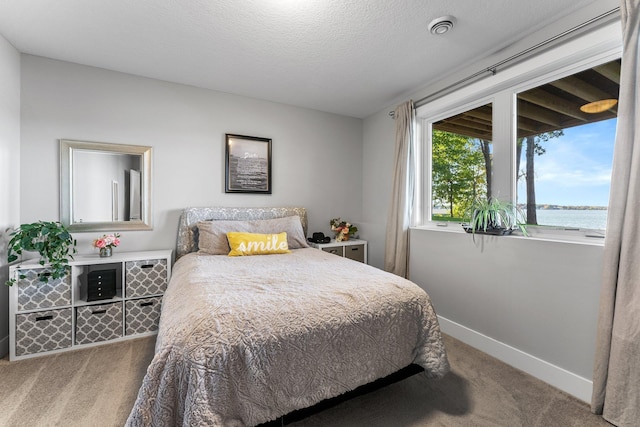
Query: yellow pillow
x=257 y=244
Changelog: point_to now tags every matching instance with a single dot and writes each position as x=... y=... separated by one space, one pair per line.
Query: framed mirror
x=105 y=186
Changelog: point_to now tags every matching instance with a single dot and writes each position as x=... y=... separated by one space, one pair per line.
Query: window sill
x=538 y=233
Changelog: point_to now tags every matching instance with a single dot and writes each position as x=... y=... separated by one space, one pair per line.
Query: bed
x=244 y=340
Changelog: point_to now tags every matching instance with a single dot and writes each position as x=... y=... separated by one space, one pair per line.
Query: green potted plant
x=51 y=240
x=494 y=216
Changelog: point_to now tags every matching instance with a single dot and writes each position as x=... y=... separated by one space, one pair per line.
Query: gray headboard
x=187 y=226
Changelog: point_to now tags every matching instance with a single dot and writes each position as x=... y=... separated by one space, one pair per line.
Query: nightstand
x=354 y=249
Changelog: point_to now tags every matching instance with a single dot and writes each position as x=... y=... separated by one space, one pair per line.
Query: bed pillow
x=257 y=244
x=212 y=237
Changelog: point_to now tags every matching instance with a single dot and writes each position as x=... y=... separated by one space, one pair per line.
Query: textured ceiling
x=346 y=57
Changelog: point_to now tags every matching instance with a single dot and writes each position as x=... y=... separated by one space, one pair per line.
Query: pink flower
x=107 y=241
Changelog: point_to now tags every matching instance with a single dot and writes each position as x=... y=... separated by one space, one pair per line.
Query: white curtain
x=396 y=254
x=616 y=379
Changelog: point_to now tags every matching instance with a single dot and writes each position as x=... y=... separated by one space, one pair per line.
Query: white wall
x=525 y=299
x=317 y=157
x=9 y=170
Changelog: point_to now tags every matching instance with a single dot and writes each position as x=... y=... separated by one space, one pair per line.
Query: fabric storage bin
x=354 y=252
x=95 y=323
x=43 y=331
x=142 y=315
x=148 y=277
x=336 y=250
x=34 y=294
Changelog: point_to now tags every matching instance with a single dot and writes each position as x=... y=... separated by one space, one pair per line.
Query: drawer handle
x=354 y=249
x=145 y=304
x=49 y=317
x=99 y=311
x=147 y=266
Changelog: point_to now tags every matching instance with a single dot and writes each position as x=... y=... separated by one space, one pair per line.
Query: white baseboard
x=4 y=347
x=558 y=377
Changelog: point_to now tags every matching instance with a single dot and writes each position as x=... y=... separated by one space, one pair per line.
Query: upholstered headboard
x=187 y=226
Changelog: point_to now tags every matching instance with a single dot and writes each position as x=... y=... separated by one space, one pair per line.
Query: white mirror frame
x=67 y=149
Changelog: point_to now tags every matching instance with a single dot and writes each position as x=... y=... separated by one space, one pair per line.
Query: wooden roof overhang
x=546 y=108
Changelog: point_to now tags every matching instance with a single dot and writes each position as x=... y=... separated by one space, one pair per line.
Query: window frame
x=596 y=47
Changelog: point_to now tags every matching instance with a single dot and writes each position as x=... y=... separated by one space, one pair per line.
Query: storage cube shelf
x=85 y=307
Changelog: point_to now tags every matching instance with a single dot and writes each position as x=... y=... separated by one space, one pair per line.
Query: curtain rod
x=493 y=69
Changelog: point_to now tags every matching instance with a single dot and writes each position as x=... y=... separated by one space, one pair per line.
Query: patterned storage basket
x=142 y=315
x=147 y=277
x=43 y=331
x=96 y=323
x=34 y=294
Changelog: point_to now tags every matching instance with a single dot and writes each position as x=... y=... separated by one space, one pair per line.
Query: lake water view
x=580 y=218
x=594 y=219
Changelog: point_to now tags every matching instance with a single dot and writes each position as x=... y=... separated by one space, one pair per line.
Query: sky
x=576 y=168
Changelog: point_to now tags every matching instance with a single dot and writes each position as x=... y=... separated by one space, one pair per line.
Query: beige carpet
x=97 y=387
x=90 y=387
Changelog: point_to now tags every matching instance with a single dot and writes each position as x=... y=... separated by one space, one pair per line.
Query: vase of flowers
x=343 y=229
x=106 y=243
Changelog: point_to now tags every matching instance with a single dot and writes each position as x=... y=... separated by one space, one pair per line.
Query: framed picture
x=247 y=164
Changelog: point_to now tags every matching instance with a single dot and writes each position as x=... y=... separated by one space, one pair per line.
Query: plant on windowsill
x=51 y=240
x=494 y=216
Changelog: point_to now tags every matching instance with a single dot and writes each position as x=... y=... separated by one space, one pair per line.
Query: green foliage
x=50 y=239
x=458 y=171
x=486 y=214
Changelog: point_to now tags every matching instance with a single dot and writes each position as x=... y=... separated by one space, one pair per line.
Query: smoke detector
x=441 y=25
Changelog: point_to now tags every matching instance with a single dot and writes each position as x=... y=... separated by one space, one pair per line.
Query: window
x=461 y=162
x=539 y=139
x=564 y=148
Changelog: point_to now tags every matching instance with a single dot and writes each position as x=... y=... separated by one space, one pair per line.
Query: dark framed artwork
x=247 y=164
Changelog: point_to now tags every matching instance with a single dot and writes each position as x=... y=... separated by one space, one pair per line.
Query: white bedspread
x=244 y=340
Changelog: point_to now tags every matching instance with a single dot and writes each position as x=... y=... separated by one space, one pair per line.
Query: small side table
x=354 y=249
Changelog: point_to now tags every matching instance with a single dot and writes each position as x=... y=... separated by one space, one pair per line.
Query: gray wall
x=377 y=169
x=317 y=157
x=9 y=170
x=539 y=297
